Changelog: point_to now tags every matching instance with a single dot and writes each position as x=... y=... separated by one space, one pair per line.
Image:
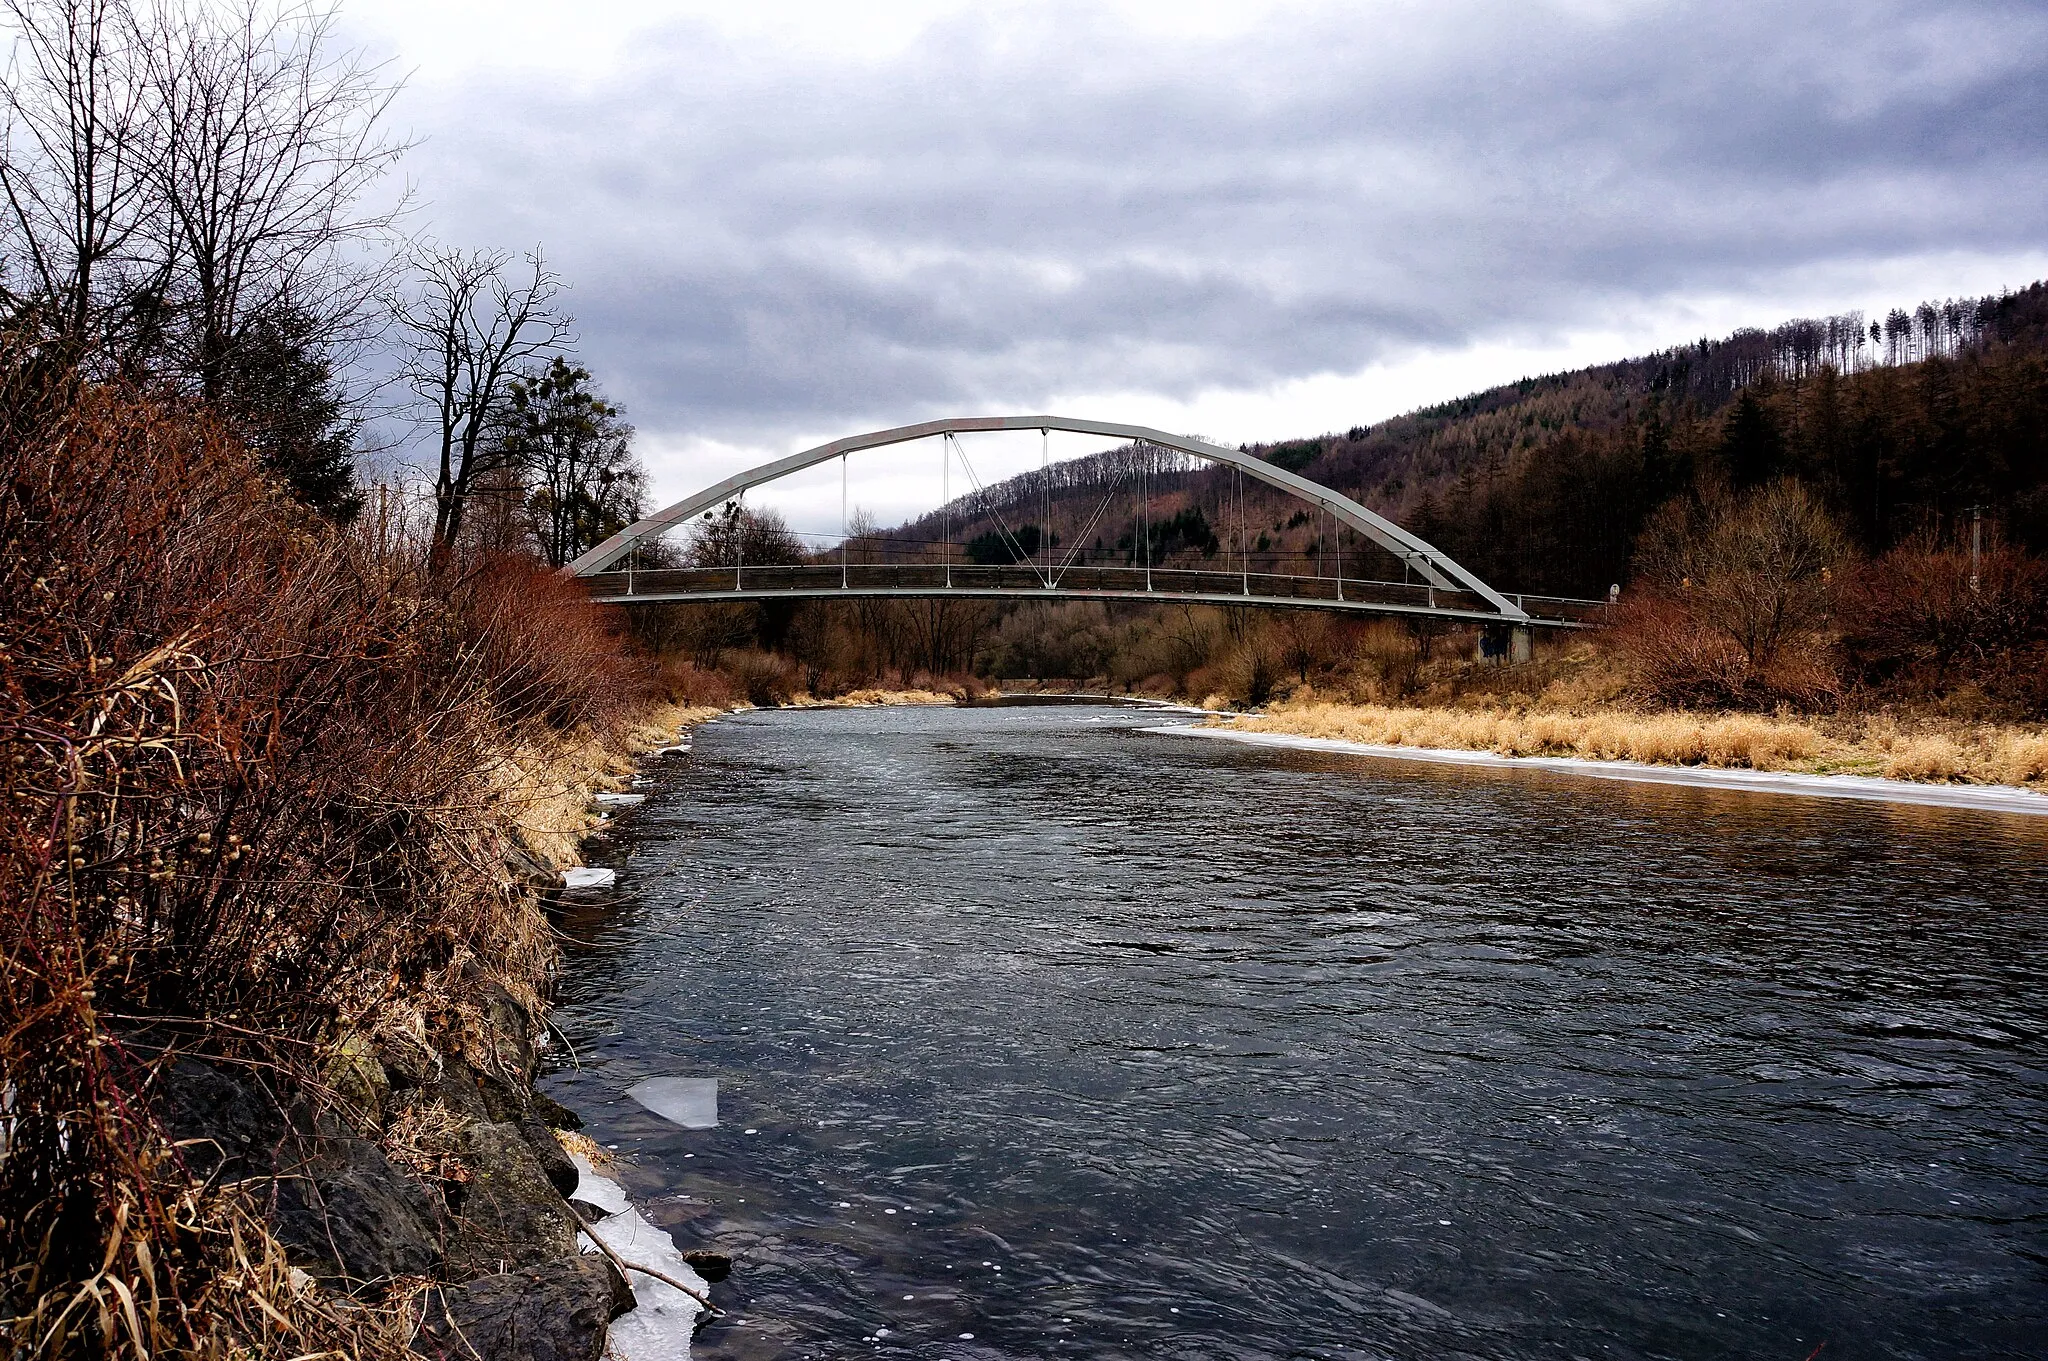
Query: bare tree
x=1757 y=567
x=266 y=139
x=471 y=326
x=74 y=169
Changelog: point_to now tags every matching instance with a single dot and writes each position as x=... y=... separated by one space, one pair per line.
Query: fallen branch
x=590 y=1232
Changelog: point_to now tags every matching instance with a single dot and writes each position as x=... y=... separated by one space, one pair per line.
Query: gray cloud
x=761 y=244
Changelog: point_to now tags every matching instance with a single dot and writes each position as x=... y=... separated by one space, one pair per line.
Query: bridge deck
x=1085 y=582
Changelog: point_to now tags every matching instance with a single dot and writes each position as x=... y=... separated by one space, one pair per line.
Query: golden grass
x=546 y=782
x=1929 y=751
x=600 y=1158
x=868 y=698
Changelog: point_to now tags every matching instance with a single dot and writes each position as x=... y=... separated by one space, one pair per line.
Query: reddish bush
x=1923 y=620
x=1674 y=658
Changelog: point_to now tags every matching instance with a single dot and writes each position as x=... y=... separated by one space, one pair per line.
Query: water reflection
x=1098 y=1043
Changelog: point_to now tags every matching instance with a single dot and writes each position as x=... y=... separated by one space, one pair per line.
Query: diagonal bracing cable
x=1073 y=552
x=1016 y=548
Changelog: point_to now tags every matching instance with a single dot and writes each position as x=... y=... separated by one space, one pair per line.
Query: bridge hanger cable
x=1145 y=506
x=1045 y=497
x=1016 y=547
x=1244 y=547
x=845 y=542
x=946 y=504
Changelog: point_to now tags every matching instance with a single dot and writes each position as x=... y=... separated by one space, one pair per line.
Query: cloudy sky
x=787 y=222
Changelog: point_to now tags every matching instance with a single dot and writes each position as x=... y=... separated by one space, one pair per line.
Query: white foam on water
x=1987 y=798
x=659 y=1326
x=691 y=1102
x=587 y=876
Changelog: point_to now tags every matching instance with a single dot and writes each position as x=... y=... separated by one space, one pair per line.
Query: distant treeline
x=1543 y=485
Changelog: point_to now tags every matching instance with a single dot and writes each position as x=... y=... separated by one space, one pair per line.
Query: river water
x=1084 y=1041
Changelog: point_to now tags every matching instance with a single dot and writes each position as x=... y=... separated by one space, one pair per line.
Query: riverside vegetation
x=281 y=806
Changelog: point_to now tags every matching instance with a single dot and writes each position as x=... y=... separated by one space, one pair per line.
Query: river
x=1041 y=1035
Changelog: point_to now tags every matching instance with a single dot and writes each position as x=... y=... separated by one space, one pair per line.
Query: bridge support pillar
x=1503 y=645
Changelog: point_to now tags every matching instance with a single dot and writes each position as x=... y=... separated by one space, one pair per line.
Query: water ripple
x=1160 y=1050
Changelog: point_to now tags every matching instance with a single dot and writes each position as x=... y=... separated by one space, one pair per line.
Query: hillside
x=1901 y=425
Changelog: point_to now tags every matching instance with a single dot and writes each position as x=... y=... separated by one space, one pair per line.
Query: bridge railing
x=815 y=579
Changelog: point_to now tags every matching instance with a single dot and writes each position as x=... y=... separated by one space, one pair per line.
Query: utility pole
x=1976 y=545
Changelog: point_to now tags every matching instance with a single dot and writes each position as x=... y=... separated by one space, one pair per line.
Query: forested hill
x=1899 y=426
x=1902 y=424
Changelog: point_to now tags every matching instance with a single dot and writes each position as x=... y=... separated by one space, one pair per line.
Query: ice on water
x=659 y=1326
x=691 y=1102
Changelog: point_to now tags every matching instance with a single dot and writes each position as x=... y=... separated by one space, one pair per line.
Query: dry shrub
x=695 y=687
x=1673 y=659
x=762 y=677
x=249 y=813
x=1252 y=671
x=1925 y=758
x=1925 y=620
x=1385 y=662
x=550 y=657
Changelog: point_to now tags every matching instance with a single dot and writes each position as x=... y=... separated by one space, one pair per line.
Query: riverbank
x=1857 y=757
x=283 y=805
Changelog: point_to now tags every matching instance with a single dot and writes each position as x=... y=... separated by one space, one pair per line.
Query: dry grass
x=1930 y=750
x=600 y=1158
x=545 y=783
x=870 y=698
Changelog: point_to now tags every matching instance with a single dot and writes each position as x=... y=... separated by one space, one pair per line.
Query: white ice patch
x=691 y=1102
x=659 y=1326
x=1989 y=798
x=587 y=876
x=619 y=800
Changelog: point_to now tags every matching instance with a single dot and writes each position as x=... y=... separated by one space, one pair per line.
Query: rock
x=529 y=869
x=511 y=1028
x=554 y=1159
x=349 y=1213
x=553 y=1310
x=623 y=1299
x=356 y=1075
x=712 y=1266
x=555 y=1113
x=232 y=1127
x=511 y=1212
x=460 y=1089
x=589 y=1213
x=335 y=1201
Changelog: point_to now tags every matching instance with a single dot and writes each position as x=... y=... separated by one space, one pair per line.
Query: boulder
x=712 y=1266
x=342 y=1211
x=511 y=1212
x=554 y=1113
x=554 y=1159
x=552 y=1310
x=348 y=1213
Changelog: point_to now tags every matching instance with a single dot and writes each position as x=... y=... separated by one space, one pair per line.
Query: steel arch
x=1435 y=566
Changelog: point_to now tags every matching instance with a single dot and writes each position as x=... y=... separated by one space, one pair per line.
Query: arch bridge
x=1445 y=590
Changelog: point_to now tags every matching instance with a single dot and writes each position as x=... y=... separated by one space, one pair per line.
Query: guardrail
x=1085 y=580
